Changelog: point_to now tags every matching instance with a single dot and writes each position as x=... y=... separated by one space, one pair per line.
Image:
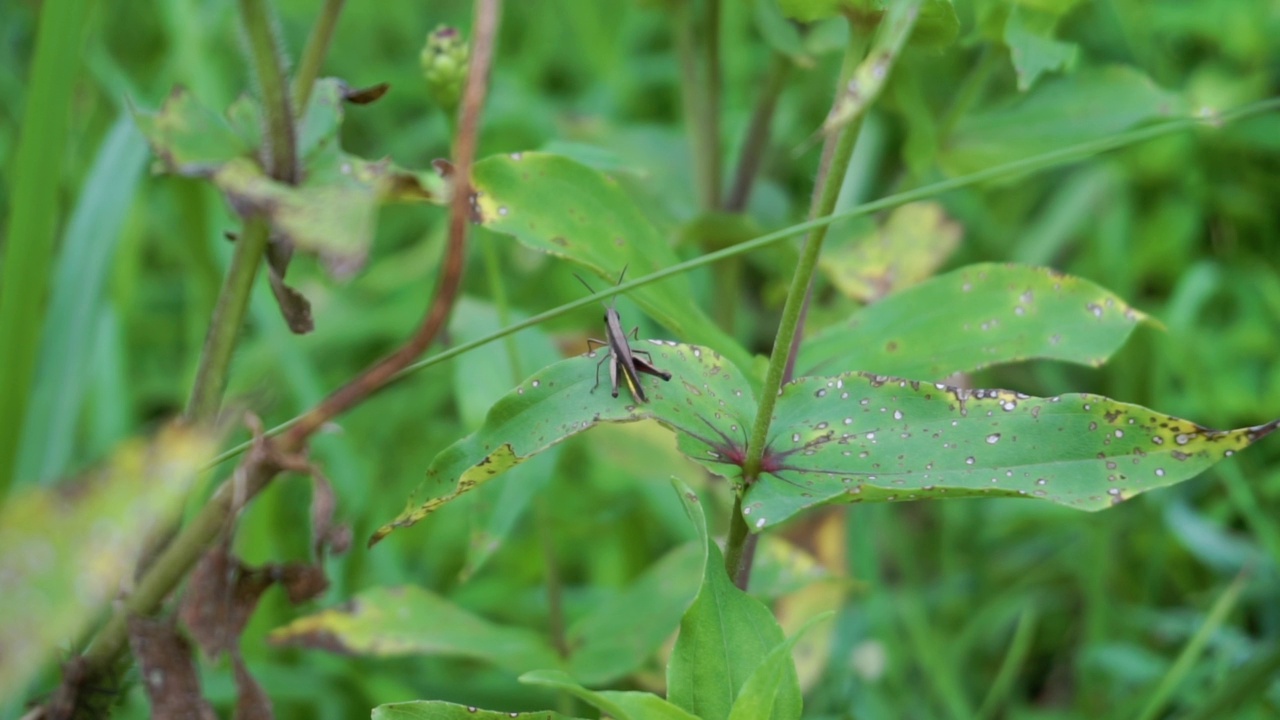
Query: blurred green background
x=1185 y=228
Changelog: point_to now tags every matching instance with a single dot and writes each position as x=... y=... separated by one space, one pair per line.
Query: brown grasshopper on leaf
x=624 y=362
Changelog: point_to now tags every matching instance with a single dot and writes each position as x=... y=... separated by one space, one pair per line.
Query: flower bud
x=444 y=65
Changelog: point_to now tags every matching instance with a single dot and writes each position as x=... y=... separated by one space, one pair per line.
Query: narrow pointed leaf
x=553 y=204
x=860 y=437
x=724 y=638
x=615 y=704
x=386 y=621
x=774 y=680
x=972 y=318
x=706 y=402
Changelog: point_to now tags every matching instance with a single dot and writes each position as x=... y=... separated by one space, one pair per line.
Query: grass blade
x=29 y=234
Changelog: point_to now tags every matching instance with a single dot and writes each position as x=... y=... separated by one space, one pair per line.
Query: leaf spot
x=993 y=438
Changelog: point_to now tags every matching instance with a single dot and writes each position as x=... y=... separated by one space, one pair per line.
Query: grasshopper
x=624 y=362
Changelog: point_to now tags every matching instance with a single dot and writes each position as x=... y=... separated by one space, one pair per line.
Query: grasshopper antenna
x=588 y=287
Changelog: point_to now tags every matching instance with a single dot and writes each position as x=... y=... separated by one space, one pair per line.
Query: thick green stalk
x=281 y=162
x=697 y=108
x=33 y=221
x=228 y=317
x=280 y=136
x=737 y=557
x=835 y=164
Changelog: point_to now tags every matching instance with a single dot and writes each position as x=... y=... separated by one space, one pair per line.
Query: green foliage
x=999 y=608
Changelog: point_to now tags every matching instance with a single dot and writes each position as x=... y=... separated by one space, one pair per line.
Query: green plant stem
x=172 y=564
x=696 y=107
x=280 y=135
x=1018 y=167
x=710 y=130
x=314 y=53
x=224 y=328
x=756 y=140
x=739 y=547
x=831 y=174
x=32 y=226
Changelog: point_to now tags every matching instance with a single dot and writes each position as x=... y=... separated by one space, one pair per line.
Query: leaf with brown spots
x=388 y=622
x=867 y=438
x=972 y=318
x=912 y=242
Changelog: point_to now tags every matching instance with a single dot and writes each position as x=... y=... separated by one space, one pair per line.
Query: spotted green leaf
x=440 y=710
x=66 y=551
x=860 y=437
x=708 y=403
x=330 y=213
x=972 y=318
x=553 y=204
x=387 y=622
x=619 y=705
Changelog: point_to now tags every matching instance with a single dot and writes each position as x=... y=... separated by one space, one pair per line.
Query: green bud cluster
x=444 y=65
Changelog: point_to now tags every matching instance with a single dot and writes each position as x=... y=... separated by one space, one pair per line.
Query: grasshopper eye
x=606 y=318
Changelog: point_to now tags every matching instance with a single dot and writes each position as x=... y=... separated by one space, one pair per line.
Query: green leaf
x=563 y=208
x=908 y=247
x=774 y=679
x=707 y=402
x=190 y=139
x=619 y=634
x=860 y=437
x=76 y=305
x=440 y=710
x=65 y=551
x=1083 y=106
x=972 y=318
x=384 y=622
x=330 y=214
x=1032 y=47
x=724 y=637
x=479 y=383
x=618 y=705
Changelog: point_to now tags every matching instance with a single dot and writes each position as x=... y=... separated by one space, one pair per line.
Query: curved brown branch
x=354 y=392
